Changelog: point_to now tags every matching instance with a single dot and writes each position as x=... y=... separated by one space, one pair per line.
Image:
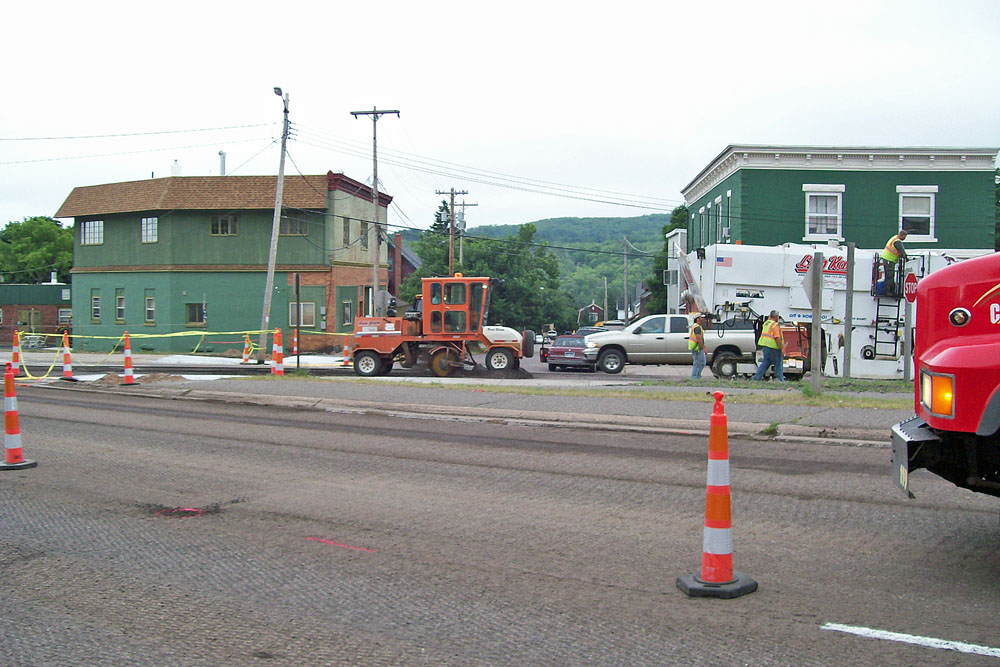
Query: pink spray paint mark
x=336 y=544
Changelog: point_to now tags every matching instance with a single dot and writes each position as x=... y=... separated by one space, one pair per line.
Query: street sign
x=910 y=287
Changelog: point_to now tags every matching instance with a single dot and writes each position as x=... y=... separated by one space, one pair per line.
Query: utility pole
x=461 y=234
x=451 y=227
x=375 y=113
x=606 y=318
x=275 y=229
x=627 y=299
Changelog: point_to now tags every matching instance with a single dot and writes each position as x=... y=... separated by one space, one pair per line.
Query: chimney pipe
x=222 y=163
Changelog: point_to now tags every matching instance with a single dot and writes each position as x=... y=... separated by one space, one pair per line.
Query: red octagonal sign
x=910 y=287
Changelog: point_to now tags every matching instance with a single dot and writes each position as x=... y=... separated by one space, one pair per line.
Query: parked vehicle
x=663 y=339
x=447 y=326
x=586 y=331
x=956 y=396
x=568 y=351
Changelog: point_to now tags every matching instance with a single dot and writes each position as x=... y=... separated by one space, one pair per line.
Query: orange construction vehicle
x=447 y=323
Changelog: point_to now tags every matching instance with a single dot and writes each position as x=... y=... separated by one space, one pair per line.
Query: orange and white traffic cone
x=13 y=455
x=246 y=349
x=277 y=355
x=129 y=378
x=67 y=362
x=15 y=355
x=717 y=578
x=295 y=342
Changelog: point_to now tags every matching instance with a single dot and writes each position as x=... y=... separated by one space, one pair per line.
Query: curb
x=750 y=430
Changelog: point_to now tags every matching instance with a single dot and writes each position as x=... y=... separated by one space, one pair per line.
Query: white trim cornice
x=837 y=158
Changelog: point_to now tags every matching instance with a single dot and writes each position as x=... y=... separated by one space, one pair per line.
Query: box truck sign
x=835 y=265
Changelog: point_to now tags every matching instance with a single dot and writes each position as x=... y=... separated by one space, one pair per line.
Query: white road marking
x=929 y=642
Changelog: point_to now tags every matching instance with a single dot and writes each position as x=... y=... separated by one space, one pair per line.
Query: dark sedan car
x=568 y=351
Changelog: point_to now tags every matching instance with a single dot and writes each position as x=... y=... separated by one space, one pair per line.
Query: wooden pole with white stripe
x=13 y=455
x=717 y=578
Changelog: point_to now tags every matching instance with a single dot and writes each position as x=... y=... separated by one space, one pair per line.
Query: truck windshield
x=475 y=305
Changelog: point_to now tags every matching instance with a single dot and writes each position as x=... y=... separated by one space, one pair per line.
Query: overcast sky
x=537 y=109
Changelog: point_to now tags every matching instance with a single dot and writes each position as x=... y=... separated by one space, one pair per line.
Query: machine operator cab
x=455 y=305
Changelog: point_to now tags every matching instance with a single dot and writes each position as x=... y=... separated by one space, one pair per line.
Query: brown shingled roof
x=195 y=193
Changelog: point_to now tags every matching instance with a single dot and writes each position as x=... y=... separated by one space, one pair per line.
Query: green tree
x=658 y=291
x=31 y=249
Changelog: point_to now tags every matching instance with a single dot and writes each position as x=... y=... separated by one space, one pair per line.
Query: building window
x=65 y=316
x=92 y=232
x=294 y=226
x=119 y=304
x=916 y=211
x=147 y=230
x=95 y=305
x=150 y=307
x=308 y=315
x=225 y=225
x=729 y=216
x=347 y=232
x=194 y=314
x=823 y=211
x=364 y=235
x=718 y=219
x=1 y=315
x=347 y=312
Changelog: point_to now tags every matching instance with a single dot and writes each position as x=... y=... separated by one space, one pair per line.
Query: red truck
x=956 y=431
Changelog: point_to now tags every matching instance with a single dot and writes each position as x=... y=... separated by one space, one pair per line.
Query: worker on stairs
x=891 y=255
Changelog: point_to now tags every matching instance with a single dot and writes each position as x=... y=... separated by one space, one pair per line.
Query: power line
x=135 y=134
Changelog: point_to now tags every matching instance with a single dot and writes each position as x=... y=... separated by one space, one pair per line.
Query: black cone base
x=18 y=466
x=696 y=588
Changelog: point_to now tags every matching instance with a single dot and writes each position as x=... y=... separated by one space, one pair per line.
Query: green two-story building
x=769 y=195
x=184 y=260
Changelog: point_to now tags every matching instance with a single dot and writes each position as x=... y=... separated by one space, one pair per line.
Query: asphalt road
x=189 y=533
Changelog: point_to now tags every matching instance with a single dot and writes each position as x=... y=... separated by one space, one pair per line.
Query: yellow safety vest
x=889 y=252
x=692 y=343
x=770 y=335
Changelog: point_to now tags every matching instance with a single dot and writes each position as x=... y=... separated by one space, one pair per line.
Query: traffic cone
x=67 y=362
x=295 y=342
x=15 y=355
x=129 y=378
x=246 y=349
x=13 y=456
x=717 y=578
x=277 y=355
x=347 y=353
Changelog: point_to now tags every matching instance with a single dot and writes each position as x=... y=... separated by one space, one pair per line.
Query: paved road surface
x=191 y=533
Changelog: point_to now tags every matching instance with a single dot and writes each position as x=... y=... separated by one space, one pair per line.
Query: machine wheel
x=724 y=365
x=442 y=362
x=367 y=364
x=528 y=344
x=386 y=367
x=611 y=361
x=553 y=367
x=499 y=359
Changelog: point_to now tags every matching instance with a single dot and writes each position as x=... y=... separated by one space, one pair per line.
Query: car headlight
x=937 y=393
x=591 y=344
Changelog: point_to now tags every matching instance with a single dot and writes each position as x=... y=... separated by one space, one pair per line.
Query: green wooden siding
x=769 y=205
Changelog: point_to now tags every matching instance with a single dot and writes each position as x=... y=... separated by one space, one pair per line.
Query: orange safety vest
x=770 y=335
x=889 y=252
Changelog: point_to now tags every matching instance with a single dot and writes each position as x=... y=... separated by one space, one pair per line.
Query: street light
x=275 y=228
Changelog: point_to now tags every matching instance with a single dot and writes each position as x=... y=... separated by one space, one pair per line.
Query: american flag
x=723 y=261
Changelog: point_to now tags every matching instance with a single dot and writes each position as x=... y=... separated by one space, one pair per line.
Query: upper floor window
x=347 y=232
x=916 y=211
x=92 y=232
x=147 y=230
x=225 y=225
x=824 y=211
x=364 y=235
x=291 y=226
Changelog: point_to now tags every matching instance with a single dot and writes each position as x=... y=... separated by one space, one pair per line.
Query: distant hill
x=596 y=254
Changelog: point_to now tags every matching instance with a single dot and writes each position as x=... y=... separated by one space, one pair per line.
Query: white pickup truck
x=663 y=339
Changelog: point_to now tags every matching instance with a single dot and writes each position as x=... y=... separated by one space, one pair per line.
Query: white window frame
x=149 y=308
x=308 y=315
x=147 y=230
x=824 y=190
x=65 y=316
x=95 y=307
x=92 y=232
x=119 y=306
x=718 y=219
x=925 y=192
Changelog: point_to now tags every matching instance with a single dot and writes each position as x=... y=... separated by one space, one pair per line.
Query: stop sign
x=910 y=287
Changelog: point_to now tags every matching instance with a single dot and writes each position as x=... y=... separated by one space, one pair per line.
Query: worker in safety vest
x=696 y=344
x=891 y=254
x=773 y=344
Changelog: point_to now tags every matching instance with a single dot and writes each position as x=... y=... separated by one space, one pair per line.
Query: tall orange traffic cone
x=295 y=342
x=246 y=349
x=129 y=378
x=15 y=355
x=13 y=456
x=347 y=353
x=67 y=362
x=277 y=355
x=717 y=578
